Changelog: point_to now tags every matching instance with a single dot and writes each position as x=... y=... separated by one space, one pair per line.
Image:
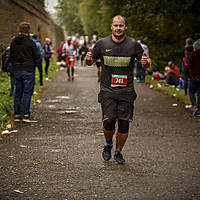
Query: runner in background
x=98 y=64
x=70 y=53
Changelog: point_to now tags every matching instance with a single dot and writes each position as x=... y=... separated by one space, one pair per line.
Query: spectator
x=47 y=54
x=186 y=54
x=39 y=61
x=194 y=75
x=140 y=71
x=78 y=47
x=83 y=51
x=7 y=67
x=59 y=51
x=173 y=75
x=98 y=64
x=23 y=53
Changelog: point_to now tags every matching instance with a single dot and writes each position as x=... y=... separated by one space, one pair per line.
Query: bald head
x=120 y=17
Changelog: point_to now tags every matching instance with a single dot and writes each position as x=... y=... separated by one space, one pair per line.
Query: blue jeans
x=46 y=64
x=185 y=76
x=12 y=84
x=24 y=87
x=40 y=69
x=193 y=89
x=143 y=74
x=140 y=71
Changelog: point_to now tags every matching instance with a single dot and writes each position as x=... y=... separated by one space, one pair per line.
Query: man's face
x=118 y=27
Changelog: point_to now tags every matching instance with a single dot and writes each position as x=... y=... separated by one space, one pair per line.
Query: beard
x=119 y=35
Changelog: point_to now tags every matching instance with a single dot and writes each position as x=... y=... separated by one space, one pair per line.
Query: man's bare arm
x=145 y=61
x=89 y=60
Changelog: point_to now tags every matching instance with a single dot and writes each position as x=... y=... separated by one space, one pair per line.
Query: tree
x=68 y=15
x=162 y=24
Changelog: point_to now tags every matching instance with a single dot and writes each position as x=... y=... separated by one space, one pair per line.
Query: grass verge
x=171 y=91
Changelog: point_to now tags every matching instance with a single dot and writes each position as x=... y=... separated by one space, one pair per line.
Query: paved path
x=60 y=156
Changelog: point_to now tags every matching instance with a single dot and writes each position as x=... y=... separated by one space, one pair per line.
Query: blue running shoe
x=107 y=152
x=118 y=157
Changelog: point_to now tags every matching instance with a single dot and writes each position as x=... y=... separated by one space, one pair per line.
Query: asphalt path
x=59 y=157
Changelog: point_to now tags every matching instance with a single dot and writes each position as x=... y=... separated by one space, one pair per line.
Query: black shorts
x=119 y=106
x=98 y=64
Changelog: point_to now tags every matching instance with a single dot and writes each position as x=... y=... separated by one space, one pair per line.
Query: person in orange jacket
x=173 y=74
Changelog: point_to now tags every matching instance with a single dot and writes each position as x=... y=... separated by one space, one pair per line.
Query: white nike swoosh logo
x=107 y=50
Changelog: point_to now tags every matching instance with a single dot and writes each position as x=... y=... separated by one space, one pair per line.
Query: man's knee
x=123 y=126
x=109 y=124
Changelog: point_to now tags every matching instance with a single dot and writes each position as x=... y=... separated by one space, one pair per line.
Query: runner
x=98 y=64
x=70 y=52
x=117 y=94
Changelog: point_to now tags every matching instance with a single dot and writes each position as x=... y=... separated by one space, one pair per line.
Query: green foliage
x=162 y=24
x=2 y=49
x=68 y=15
x=88 y=18
x=6 y=100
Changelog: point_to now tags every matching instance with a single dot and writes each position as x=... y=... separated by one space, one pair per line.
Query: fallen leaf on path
x=151 y=86
x=9 y=126
x=23 y=146
x=159 y=85
x=18 y=191
x=14 y=131
x=6 y=132
x=100 y=134
x=188 y=106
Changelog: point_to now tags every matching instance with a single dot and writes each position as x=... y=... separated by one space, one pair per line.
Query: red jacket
x=176 y=71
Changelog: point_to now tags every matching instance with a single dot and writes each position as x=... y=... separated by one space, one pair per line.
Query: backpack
x=186 y=58
x=5 y=58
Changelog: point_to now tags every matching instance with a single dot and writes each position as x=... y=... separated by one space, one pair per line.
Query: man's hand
x=145 y=61
x=88 y=59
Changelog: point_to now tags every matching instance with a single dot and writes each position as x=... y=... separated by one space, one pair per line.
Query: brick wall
x=12 y=12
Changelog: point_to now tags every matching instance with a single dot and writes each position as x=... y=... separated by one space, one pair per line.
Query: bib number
x=118 y=80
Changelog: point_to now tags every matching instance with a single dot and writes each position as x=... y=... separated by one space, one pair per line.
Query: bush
x=6 y=100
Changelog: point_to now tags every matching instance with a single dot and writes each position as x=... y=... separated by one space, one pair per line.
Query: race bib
x=118 y=80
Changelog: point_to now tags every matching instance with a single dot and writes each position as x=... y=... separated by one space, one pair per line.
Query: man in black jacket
x=23 y=53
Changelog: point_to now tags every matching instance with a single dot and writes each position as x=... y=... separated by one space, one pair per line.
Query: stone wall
x=12 y=12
